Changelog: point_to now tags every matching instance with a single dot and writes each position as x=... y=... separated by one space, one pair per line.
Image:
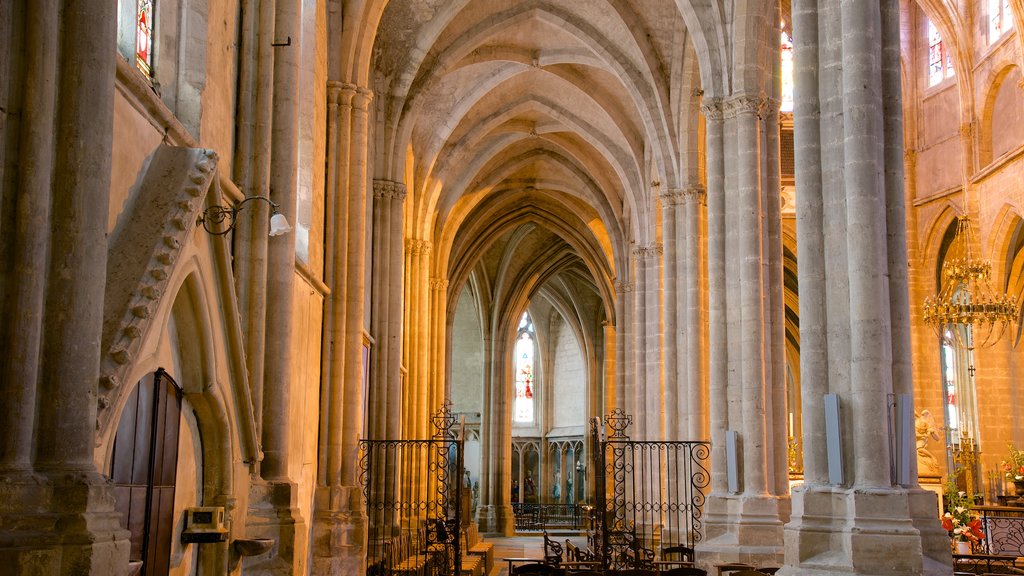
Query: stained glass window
x=144 y=36
x=522 y=410
x=1000 y=19
x=787 y=73
x=940 y=61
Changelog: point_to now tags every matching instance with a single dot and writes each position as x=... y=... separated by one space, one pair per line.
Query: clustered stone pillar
x=853 y=297
x=386 y=316
x=496 y=514
x=273 y=506
x=745 y=285
x=625 y=364
x=339 y=526
x=647 y=392
x=683 y=313
x=416 y=392
x=57 y=510
x=689 y=236
x=673 y=303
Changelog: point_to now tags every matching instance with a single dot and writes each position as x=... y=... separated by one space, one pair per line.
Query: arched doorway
x=144 y=468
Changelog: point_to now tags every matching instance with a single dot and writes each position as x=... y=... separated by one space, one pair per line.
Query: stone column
x=851 y=229
x=673 y=359
x=21 y=335
x=693 y=202
x=252 y=171
x=281 y=249
x=718 y=352
x=599 y=405
x=496 y=516
x=386 y=317
x=355 y=279
x=648 y=392
x=625 y=353
x=417 y=389
x=339 y=527
x=437 y=324
x=273 y=506
x=60 y=520
x=747 y=526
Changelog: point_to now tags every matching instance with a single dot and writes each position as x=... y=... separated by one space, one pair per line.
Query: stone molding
x=417 y=247
x=650 y=251
x=438 y=283
x=388 y=190
x=143 y=251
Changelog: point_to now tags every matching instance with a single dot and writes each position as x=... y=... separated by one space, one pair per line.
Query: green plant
x=1013 y=468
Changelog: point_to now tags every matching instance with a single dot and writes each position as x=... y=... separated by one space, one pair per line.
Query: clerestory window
x=940 y=62
x=1000 y=19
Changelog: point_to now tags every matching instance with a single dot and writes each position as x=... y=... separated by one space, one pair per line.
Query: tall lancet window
x=787 y=73
x=144 y=36
x=1000 y=19
x=522 y=409
x=940 y=61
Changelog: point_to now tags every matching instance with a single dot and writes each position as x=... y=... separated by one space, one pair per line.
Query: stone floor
x=524 y=547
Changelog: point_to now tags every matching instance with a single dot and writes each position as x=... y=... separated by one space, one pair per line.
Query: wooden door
x=144 y=467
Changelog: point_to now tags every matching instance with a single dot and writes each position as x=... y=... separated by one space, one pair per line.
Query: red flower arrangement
x=959 y=520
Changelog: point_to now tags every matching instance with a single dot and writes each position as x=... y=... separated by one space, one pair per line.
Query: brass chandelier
x=966 y=313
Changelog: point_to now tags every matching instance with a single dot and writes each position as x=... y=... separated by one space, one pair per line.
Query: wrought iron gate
x=648 y=496
x=414 y=501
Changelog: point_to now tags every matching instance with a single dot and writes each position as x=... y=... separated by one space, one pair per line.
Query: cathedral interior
x=243 y=241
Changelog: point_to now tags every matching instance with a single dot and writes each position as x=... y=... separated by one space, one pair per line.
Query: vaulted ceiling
x=567 y=117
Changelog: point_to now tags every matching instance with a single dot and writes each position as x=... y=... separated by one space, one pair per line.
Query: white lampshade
x=279 y=224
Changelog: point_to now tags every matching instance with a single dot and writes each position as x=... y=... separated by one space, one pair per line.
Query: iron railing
x=413 y=498
x=649 y=495
x=1004 y=530
x=538 y=517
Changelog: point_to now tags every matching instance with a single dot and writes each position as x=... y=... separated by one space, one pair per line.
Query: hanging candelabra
x=966 y=313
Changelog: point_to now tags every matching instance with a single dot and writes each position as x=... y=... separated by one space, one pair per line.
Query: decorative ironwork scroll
x=413 y=497
x=648 y=495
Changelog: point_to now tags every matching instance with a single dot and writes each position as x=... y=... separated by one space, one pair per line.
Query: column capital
x=756 y=104
x=649 y=251
x=623 y=287
x=388 y=189
x=712 y=108
x=347 y=94
x=416 y=246
x=671 y=197
x=438 y=284
x=695 y=193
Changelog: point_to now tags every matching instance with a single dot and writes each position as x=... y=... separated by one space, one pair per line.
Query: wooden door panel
x=144 y=467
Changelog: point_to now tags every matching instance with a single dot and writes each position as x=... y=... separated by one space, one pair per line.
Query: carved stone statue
x=925 y=429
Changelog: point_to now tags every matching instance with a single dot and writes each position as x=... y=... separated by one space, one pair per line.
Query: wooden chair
x=552 y=550
x=684 y=553
x=748 y=573
x=771 y=570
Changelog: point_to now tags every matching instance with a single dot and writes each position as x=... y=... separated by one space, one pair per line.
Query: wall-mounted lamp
x=214 y=218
